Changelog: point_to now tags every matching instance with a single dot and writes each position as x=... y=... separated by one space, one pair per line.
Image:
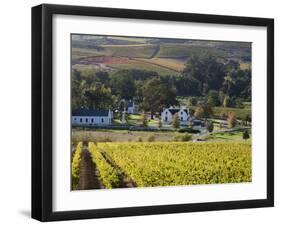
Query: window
x=181 y=118
x=102 y=120
x=166 y=112
x=81 y=120
x=181 y=113
x=86 y=119
x=166 y=118
x=92 y=120
x=74 y=119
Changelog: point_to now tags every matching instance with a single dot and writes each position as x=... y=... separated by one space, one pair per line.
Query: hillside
x=164 y=56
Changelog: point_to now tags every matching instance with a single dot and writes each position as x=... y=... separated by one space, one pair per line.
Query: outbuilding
x=85 y=116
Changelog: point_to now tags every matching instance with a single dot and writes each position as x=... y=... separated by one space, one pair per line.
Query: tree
x=213 y=98
x=157 y=94
x=246 y=135
x=206 y=71
x=203 y=111
x=237 y=82
x=210 y=126
x=231 y=120
x=123 y=84
x=176 y=121
x=239 y=103
x=98 y=97
x=199 y=112
x=144 y=121
x=102 y=76
x=226 y=101
x=192 y=101
x=76 y=75
x=160 y=123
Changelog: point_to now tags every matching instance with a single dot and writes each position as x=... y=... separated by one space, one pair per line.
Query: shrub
x=188 y=130
x=139 y=139
x=246 y=135
x=183 y=137
x=151 y=138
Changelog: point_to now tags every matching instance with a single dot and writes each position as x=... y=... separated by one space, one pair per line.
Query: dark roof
x=174 y=110
x=89 y=112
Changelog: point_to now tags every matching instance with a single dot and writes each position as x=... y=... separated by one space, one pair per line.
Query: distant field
x=131 y=39
x=139 y=51
x=136 y=50
x=144 y=66
x=183 y=51
x=110 y=63
x=78 y=53
x=170 y=63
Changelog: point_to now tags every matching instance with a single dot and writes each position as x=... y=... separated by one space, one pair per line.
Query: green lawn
x=228 y=136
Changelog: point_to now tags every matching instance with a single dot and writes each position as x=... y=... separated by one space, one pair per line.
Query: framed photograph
x=146 y=112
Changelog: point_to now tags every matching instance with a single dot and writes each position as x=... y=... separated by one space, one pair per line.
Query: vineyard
x=146 y=164
x=75 y=166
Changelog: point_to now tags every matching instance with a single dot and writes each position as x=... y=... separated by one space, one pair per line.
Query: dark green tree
x=158 y=94
x=123 y=84
x=246 y=135
x=206 y=71
x=213 y=98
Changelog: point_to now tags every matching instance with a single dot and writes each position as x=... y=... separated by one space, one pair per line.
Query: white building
x=131 y=107
x=88 y=117
x=168 y=114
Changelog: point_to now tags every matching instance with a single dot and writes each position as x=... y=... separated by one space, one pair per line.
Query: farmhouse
x=85 y=116
x=168 y=114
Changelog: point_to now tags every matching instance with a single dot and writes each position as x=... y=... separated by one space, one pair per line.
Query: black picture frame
x=42 y=111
